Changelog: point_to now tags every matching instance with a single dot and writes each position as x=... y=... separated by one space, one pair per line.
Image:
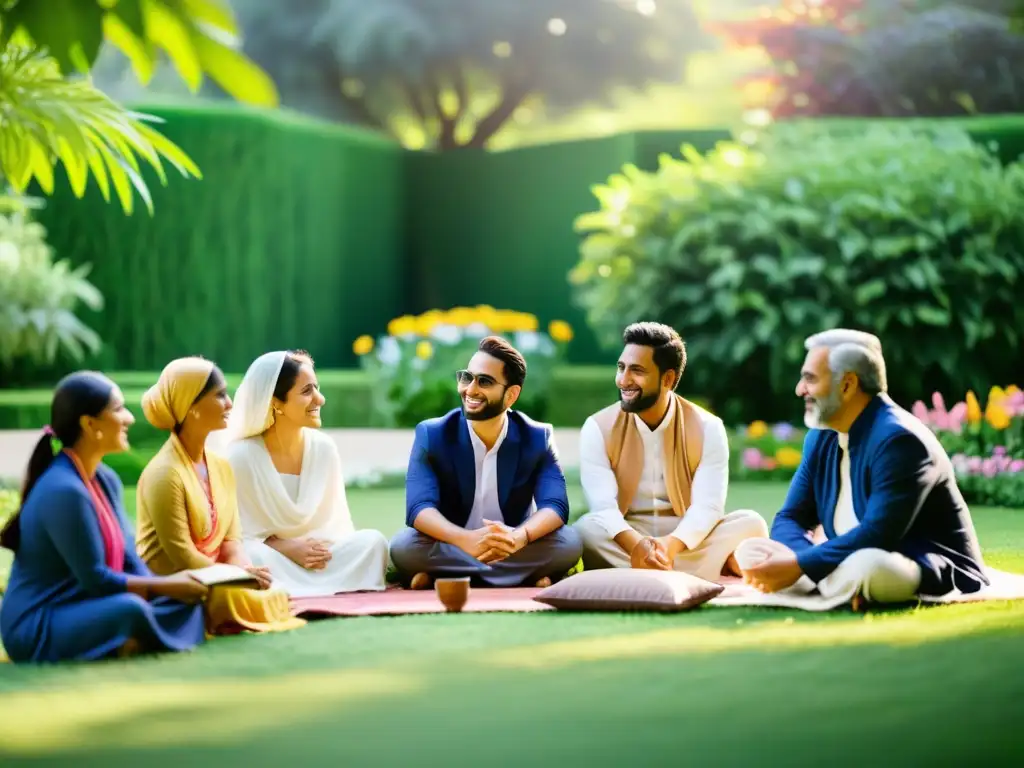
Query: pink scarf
x=110 y=529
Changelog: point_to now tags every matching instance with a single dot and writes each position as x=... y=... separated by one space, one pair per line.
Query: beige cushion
x=628 y=589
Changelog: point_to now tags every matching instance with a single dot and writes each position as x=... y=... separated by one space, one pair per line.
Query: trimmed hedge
x=576 y=392
x=304 y=233
x=293 y=238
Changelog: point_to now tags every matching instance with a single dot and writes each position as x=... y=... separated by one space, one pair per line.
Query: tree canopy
x=457 y=70
x=883 y=58
x=51 y=113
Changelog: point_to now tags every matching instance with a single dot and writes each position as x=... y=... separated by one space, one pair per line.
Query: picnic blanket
x=1004 y=586
x=397 y=602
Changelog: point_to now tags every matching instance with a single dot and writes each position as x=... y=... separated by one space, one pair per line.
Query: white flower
x=527 y=341
x=388 y=351
x=446 y=334
x=478 y=330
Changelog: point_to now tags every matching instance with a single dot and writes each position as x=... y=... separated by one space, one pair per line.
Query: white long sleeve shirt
x=707 y=493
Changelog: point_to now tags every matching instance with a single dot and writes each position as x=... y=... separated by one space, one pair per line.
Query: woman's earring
x=99 y=434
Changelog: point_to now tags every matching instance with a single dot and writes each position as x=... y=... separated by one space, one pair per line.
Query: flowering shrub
x=985 y=445
x=762 y=452
x=413 y=366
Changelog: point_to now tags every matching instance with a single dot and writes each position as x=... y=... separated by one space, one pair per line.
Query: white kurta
x=310 y=505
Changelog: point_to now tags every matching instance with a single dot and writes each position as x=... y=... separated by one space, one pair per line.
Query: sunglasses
x=466 y=378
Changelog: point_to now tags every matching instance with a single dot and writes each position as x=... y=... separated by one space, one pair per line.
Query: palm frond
x=47 y=119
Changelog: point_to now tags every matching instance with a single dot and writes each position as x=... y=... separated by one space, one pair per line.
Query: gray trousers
x=413 y=552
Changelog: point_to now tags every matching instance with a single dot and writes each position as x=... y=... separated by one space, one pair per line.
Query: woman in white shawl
x=291 y=492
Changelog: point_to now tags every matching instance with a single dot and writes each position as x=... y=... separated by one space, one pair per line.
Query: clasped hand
x=494 y=542
x=656 y=552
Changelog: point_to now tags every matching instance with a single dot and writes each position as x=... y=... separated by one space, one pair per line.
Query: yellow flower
x=400 y=326
x=1012 y=390
x=757 y=429
x=424 y=350
x=996 y=415
x=363 y=345
x=996 y=394
x=788 y=457
x=426 y=322
x=560 y=331
x=973 y=408
x=461 y=316
x=488 y=316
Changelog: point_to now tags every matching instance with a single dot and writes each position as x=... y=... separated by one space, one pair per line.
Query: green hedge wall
x=577 y=392
x=304 y=234
x=291 y=239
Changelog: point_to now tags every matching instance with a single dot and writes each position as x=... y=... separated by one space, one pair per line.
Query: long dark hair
x=293 y=363
x=85 y=393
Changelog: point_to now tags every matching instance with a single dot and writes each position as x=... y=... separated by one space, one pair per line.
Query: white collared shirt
x=486 y=503
x=844 y=518
x=707 y=492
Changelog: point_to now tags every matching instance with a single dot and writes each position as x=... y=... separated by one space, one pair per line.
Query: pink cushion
x=627 y=589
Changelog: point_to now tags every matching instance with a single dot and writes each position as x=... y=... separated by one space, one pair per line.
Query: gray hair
x=853 y=352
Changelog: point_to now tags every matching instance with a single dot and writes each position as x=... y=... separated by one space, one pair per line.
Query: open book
x=225 y=574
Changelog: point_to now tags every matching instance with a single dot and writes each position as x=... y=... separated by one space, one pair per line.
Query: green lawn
x=927 y=686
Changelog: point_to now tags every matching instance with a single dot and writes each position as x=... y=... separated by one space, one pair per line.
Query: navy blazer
x=442 y=470
x=904 y=493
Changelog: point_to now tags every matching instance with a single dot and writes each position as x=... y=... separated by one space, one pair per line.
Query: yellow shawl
x=178 y=530
x=684 y=445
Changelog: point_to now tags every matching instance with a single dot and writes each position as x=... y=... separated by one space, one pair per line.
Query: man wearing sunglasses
x=485 y=494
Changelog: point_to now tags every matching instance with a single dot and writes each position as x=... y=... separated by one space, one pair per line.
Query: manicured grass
x=711 y=687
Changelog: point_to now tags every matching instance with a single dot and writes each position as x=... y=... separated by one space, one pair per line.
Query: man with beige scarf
x=655 y=471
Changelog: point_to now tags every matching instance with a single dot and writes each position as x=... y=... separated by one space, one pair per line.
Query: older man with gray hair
x=879 y=485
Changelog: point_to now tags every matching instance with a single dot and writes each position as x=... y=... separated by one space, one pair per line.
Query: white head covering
x=252 y=413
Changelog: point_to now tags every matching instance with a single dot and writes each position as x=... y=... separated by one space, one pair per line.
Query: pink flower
x=974 y=465
x=920 y=410
x=938 y=403
x=752 y=458
x=957 y=417
x=1014 y=404
x=989 y=468
x=999 y=450
x=1016 y=466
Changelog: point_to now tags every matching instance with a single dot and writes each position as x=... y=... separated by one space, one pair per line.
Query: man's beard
x=822 y=410
x=489 y=411
x=642 y=403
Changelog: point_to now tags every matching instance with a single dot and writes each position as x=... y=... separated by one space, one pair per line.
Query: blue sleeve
x=551 y=492
x=71 y=523
x=795 y=522
x=903 y=473
x=422 y=490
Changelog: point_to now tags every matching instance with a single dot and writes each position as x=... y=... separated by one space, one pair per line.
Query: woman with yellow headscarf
x=187 y=508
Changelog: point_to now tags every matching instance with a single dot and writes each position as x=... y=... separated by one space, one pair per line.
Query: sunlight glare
x=557 y=27
x=646 y=7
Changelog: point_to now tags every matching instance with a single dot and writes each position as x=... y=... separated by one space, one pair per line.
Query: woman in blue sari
x=78 y=590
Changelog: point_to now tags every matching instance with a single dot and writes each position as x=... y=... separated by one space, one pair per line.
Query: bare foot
x=545 y=582
x=131 y=648
x=732 y=567
x=420 y=581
